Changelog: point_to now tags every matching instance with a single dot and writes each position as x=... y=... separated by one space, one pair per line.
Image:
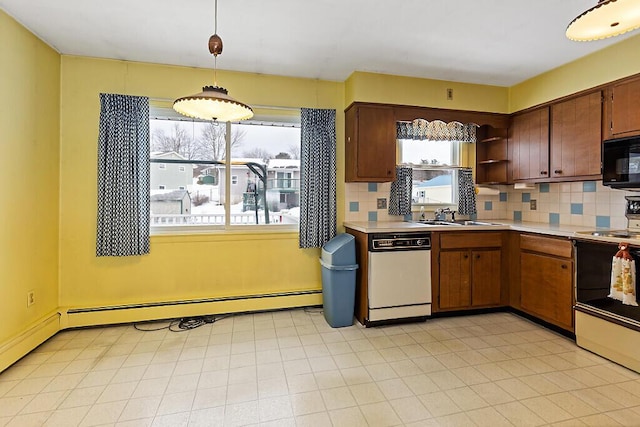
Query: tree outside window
x=249 y=185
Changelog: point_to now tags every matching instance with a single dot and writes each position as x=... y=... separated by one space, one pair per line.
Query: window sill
x=221 y=230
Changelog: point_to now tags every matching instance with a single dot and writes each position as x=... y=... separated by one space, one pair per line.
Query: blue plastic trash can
x=339 y=267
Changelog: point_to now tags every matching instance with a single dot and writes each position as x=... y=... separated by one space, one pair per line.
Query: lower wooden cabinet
x=470 y=270
x=546 y=279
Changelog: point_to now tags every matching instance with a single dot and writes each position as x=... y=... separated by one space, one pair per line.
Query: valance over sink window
x=436 y=130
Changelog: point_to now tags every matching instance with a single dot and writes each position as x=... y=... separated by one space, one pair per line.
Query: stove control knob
x=419 y=242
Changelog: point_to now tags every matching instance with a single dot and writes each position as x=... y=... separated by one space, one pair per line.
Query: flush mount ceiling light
x=606 y=19
x=214 y=102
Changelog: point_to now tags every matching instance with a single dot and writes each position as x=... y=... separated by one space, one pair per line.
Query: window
x=435 y=170
x=257 y=184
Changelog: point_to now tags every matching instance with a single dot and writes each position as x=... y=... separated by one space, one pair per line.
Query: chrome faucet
x=441 y=214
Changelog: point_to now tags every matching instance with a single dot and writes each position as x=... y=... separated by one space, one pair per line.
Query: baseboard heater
x=192 y=301
x=128 y=313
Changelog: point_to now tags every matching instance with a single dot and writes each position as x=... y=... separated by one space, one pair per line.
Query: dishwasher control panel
x=399 y=241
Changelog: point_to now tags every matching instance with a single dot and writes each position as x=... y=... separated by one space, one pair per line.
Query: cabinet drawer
x=546 y=245
x=449 y=240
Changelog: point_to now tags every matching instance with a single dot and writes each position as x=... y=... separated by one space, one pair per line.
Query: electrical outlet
x=450 y=94
x=31 y=298
x=533 y=205
x=382 y=203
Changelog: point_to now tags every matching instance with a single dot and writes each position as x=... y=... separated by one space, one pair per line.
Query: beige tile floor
x=290 y=368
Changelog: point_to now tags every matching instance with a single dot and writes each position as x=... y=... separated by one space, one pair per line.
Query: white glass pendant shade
x=606 y=19
x=213 y=103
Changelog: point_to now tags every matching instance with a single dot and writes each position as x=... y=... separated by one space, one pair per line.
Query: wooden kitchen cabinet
x=469 y=271
x=370 y=143
x=546 y=279
x=576 y=137
x=623 y=108
x=491 y=155
x=529 y=145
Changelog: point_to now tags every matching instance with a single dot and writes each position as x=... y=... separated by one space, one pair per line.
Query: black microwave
x=621 y=162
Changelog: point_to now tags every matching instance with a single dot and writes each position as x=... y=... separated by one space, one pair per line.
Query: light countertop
x=560 y=230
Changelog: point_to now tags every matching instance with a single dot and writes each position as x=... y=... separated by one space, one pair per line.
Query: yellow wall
x=29 y=167
x=617 y=61
x=382 y=88
x=178 y=267
x=49 y=138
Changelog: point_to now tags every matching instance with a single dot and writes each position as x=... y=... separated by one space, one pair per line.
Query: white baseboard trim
x=38 y=332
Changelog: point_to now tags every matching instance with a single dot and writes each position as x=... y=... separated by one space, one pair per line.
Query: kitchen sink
x=436 y=222
x=476 y=223
x=458 y=222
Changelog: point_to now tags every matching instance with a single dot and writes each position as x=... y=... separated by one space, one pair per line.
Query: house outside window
x=258 y=185
x=435 y=167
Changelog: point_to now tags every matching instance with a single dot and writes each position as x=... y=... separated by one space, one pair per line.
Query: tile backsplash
x=587 y=203
x=363 y=202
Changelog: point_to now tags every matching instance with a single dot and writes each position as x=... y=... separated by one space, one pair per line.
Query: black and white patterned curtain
x=318 y=177
x=466 y=193
x=400 y=196
x=123 y=176
x=436 y=130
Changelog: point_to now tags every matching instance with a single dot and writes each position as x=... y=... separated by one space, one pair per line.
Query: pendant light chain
x=214 y=102
x=215 y=56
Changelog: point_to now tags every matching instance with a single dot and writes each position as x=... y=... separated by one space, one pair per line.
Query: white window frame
x=167 y=113
x=456 y=155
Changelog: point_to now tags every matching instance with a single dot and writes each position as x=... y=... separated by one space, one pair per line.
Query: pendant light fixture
x=606 y=19
x=214 y=102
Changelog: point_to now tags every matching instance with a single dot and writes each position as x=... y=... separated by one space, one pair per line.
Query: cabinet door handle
x=557 y=171
x=477 y=256
x=466 y=256
x=543 y=172
x=564 y=266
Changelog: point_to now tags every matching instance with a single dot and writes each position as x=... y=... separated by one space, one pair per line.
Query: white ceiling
x=496 y=42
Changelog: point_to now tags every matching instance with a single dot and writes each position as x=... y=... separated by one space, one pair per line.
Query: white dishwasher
x=399 y=276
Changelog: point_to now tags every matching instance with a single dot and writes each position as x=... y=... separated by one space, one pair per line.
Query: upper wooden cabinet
x=491 y=155
x=370 y=144
x=623 y=109
x=576 y=137
x=559 y=142
x=529 y=145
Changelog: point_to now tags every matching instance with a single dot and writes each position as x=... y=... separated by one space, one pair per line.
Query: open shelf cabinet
x=491 y=155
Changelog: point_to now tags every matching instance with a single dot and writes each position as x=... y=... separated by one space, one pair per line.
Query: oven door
x=603 y=325
x=593 y=283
